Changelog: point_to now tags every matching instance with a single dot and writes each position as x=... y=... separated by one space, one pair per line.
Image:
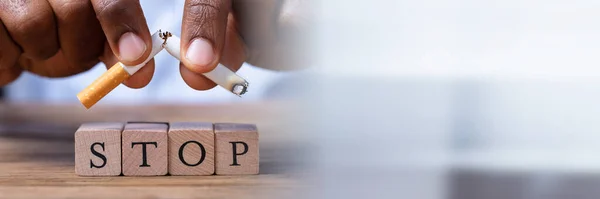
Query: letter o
x=202 y=151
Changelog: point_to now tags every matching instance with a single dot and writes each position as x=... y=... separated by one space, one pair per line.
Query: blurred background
x=460 y=99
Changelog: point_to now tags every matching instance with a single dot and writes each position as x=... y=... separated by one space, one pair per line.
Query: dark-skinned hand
x=59 y=38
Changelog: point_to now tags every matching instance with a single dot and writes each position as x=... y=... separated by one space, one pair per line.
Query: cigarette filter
x=103 y=85
x=115 y=76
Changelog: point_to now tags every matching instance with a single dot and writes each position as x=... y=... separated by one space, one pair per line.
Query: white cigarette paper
x=221 y=75
x=120 y=72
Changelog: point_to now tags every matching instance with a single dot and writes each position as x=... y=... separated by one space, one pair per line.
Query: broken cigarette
x=115 y=76
x=221 y=75
x=119 y=72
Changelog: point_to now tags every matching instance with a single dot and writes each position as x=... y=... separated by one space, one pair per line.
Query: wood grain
x=44 y=169
x=98 y=149
x=145 y=149
x=191 y=148
x=236 y=147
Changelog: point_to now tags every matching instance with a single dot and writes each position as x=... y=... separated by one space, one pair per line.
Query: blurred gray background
x=457 y=99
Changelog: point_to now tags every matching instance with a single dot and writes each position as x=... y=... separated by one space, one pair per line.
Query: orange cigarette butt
x=103 y=85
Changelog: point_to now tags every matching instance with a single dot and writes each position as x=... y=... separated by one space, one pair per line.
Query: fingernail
x=200 y=53
x=131 y=47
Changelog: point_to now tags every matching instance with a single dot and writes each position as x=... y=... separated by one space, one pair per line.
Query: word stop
x=178 y=148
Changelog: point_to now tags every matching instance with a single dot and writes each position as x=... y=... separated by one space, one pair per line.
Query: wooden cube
x=98 y=149
x=145 y=149
x=236 y=147
x=191 y=148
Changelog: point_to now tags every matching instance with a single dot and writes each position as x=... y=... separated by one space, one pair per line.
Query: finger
x=234 y=50
x=9 y=51
x=108 y=57
x=55 y=66
x=203 y=33
x=8 y=75
x=31 y=25
x=125 y=27
x=142 y=77
x=195 y=80
x=9 y=54
x=233 y=58
x=138 y=80
x=79 y=32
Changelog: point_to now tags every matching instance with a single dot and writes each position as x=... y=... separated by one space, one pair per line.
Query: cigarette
x=119 y=72
x=115 y=76
x=221 y=75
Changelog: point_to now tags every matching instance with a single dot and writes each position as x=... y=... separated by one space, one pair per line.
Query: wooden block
x=145 y=149
x=98 y=149
x=191 y=148
x=236 y=147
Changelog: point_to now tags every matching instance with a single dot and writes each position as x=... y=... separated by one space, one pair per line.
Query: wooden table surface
x=37 y=152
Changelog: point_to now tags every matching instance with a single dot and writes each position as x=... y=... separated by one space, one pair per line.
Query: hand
x=232 y=32
x=58 y=38
x=29 y=34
